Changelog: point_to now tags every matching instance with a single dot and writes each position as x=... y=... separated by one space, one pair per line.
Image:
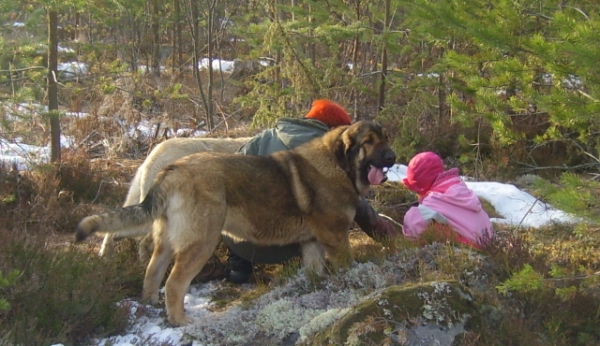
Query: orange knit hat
x=330 y=113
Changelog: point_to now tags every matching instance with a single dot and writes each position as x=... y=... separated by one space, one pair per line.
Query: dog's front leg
x=313 y=258
x=337 y=247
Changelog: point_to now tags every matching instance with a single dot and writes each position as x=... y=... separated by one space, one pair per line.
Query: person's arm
x=371 y=223
x=418 y=218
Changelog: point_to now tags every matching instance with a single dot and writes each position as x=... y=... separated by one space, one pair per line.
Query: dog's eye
x=369 y=141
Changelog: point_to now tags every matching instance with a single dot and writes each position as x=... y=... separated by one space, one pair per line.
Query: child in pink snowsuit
x=446 y=200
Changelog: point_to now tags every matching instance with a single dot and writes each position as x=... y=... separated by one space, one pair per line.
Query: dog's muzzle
x=378 y=175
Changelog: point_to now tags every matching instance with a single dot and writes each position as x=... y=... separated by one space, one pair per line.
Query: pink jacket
x=457 y=206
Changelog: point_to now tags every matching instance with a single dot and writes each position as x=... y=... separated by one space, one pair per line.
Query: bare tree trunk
x=210 y=121
x=177 y=41
x=312 y=47
x=383 y=80
x=442 y=106
x=355 y=70
x=193 y=20
x=174 y=35
x=90 y=28
x=136 y=43
x=53 y=86
x=155 y=27
x=278 y=16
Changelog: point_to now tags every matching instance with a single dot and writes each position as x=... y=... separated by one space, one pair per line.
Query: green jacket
x=287 y=134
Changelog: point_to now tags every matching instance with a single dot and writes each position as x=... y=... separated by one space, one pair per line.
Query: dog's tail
x=135 y=219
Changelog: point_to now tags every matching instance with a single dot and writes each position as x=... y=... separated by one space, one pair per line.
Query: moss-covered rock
x=424 y=314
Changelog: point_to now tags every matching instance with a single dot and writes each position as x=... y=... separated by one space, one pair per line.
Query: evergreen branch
x=304 y=68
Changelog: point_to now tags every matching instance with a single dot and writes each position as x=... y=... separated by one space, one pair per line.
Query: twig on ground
x=392 y=220
x=87 y=138
x=98 y=193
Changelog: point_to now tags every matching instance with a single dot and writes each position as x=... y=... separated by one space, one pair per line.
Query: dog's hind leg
x=159 y=263
x=107 y=245
x=145 y=249
x=188 y=263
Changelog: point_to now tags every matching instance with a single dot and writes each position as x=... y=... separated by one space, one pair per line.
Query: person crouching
x=446 y=205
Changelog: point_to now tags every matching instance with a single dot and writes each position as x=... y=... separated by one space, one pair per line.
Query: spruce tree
x=528 y=68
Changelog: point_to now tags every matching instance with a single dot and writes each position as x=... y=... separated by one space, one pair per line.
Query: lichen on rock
x=431 y=313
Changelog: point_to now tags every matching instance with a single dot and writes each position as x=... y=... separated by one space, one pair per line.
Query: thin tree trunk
x=193 y=20
x=312 y=47
x=177 y=41
x=174 y=35
x=90 y=27
x=383 y=80
x=278 y=16
x=443 y=118
x=355 y=70
x=155 y=37
x=135 y=44
x=53 y=86
x=210 y=121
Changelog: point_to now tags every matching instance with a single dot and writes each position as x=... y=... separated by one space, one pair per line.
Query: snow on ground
x=518 y=208
x=151 y=329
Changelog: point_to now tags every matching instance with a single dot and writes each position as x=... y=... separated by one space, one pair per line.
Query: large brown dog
x=307 y=195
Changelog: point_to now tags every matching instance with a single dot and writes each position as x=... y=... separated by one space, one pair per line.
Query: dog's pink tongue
x=376 y=176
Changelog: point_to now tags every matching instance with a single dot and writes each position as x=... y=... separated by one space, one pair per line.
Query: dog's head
x=363 y=151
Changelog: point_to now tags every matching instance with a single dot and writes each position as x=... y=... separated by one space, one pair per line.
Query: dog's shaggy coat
x=306 y=195
x=160 y=157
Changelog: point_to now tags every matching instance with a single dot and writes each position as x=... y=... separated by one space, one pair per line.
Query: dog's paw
x=150 y=298
x=180 y=321
x=341 y=261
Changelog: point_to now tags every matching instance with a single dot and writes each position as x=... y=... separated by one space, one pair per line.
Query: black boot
x=239 y=269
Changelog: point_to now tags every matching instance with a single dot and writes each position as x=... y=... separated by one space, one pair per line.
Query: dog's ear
x=344 y=146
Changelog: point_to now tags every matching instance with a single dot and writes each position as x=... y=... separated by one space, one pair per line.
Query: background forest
x=511 y=80
x=501 y=89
